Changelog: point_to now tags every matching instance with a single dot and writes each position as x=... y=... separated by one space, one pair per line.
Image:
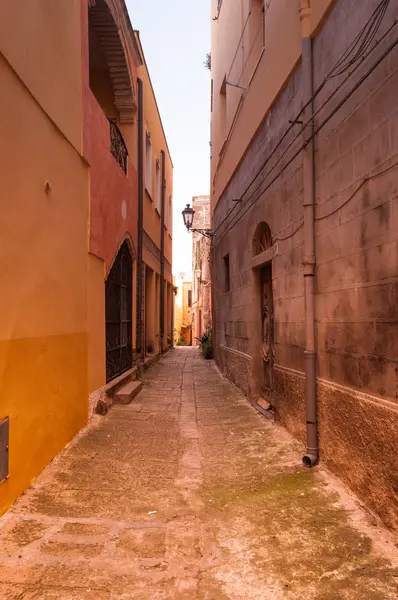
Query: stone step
x=128 y=392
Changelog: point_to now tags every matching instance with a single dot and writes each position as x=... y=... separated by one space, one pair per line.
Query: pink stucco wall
x=113 y=194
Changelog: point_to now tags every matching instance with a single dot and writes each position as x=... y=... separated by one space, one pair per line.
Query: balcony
x=118 y=146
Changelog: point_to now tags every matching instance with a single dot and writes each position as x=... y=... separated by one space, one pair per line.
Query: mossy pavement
x=188 y=493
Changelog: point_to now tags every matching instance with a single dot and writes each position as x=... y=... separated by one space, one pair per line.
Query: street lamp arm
x=206 y=232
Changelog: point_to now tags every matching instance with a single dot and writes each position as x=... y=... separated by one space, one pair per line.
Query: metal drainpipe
x=140 y=264
x=212 y=295
x=163 y=199
x=312 y=456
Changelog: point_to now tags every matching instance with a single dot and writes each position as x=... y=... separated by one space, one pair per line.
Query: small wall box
x=4 y=438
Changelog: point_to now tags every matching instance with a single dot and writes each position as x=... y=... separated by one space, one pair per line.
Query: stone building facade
x=201 y=282
x=264 y=222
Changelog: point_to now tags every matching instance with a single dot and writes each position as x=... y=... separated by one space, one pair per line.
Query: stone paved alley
x=188 y=493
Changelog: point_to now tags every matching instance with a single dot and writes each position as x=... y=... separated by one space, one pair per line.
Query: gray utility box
x=4 y=437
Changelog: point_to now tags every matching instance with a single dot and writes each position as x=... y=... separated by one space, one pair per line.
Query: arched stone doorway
x=262 y=239
x=119 y=314
x=263 y=313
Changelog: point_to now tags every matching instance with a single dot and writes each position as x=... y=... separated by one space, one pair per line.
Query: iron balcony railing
x=118 y=147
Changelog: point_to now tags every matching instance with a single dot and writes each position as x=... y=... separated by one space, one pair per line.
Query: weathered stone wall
x=237 y=311
x=236 y=366
x=356 y=161
x=201 y=282
x=356 y=217
x=357 y=265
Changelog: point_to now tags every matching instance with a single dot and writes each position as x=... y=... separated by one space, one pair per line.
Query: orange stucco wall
x=246 y=109
x=43 y=258
x=41 y=40
x=96 y=323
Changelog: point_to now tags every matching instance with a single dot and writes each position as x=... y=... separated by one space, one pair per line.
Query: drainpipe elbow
x=310 y=459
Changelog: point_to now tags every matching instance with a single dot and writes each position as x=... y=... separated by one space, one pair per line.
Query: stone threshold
x=110 y=387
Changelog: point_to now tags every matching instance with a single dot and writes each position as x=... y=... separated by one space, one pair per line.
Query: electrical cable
x=361 y=184
x=238 y=45
x=250 y=52
x=309 y=120
x=266 y=8
x=312 y=136
x=260 y=27
x=373 y=25
x=320 y=87
x=316 y=131
x=300 y=134
x=293 y=122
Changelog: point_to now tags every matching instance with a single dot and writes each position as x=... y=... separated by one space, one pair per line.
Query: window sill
x=157 y=212
x=148 y=194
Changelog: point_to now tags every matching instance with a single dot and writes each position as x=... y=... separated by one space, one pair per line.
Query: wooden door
x=267 y=333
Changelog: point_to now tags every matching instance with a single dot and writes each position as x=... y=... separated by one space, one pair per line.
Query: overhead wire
x=238 y=45
x=250 y=52
x=382 y=5
x=360 y=186
x=266 y=8
x=293 y=122
x=368 y=32
x=307 y=140
x=315 y=114
x=337 y=89
x=260 y=27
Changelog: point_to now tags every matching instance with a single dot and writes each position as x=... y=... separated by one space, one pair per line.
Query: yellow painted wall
x=186 y=309
x=152 y=219
x=42 y=41
x=245 y=109
x=96 y=323
x=182 y=312
x=153 y=124
x=177 y=322
x=43 y=277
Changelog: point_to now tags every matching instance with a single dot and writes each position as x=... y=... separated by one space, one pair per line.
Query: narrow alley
x=188 y=493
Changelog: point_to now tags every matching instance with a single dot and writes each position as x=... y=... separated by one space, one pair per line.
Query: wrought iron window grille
x=119 y=315
x=118 y=146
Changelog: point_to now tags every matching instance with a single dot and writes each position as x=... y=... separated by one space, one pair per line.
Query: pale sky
x=175 y=35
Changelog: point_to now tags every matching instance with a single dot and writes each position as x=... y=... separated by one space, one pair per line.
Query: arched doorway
x=119 y=315
x=264 y=306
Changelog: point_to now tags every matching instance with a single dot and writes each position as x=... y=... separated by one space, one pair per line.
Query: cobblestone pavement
x=188 y=493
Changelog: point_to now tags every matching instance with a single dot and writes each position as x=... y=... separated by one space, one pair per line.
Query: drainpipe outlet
x=310 y=460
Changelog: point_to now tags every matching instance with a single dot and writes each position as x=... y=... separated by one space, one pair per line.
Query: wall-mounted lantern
x=188 y=214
